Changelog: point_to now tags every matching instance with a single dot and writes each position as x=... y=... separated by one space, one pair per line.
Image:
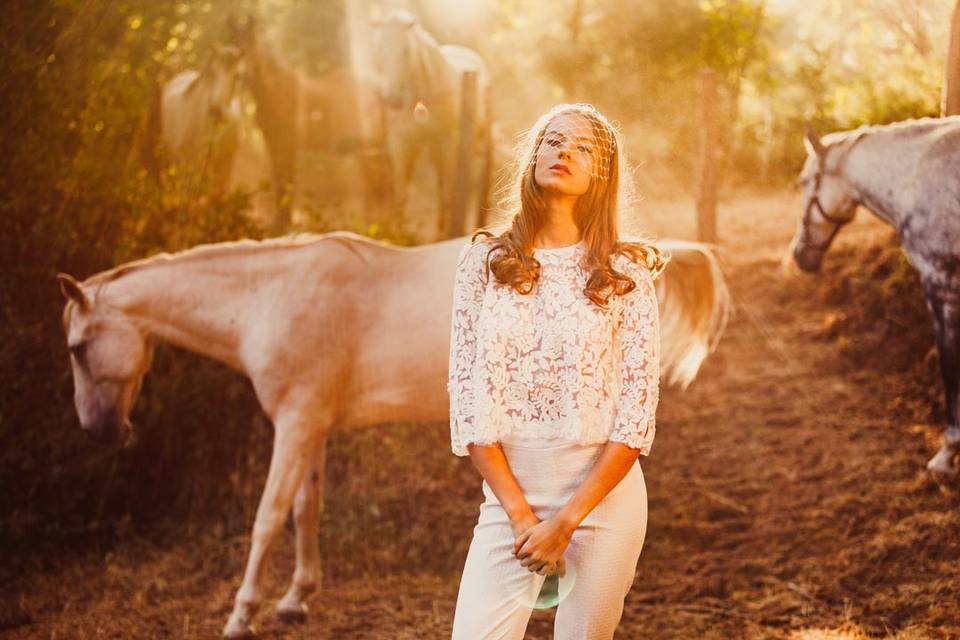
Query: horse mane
x=900 y=128
x=207 y=251
x=429 y=62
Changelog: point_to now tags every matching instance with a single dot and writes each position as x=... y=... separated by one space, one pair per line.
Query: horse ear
x=71 y=289
x=812 y=142
x=196 y=79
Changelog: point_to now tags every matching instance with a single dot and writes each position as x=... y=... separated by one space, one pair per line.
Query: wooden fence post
x=950 y=102
x=461 y=192
x=707 y=184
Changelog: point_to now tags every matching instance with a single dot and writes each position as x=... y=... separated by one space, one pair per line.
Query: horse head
x=242 y=34
x=829 y=200
x=109 y=355
x=223 y=76
x=393 y=57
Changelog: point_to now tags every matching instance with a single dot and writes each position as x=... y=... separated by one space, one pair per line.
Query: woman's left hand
x=543 y=544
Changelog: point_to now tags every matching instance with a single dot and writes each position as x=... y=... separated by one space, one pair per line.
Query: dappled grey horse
x=908 y=175
x=335 y=331
x=195 y=119
x=421 y=86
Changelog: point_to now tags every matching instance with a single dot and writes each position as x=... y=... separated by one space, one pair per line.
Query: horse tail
x=695 y=305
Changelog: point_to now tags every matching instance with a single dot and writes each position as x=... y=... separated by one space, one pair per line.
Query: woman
x=554 y=384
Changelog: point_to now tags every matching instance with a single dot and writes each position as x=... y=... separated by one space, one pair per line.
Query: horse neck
x=430 y=67
x=273 y=83
x=196 y=303
x=877 y=164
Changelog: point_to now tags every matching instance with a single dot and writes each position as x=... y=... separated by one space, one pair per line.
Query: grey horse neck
x=885 y=164
x=429 y=67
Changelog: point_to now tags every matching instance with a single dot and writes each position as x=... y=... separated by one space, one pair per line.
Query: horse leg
x=944 y=306
x=307 y=512
x=403 y=155
x=292 y=443
x=282 y=172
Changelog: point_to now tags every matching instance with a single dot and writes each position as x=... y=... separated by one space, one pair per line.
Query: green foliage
x=78 y=79
x=779 y=66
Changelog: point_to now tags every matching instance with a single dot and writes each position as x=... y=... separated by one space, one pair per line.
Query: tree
x=951 y=78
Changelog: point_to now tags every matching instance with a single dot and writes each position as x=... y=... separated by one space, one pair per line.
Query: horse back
x=464 y=59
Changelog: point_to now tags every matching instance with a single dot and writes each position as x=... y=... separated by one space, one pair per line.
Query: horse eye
x=78 y=349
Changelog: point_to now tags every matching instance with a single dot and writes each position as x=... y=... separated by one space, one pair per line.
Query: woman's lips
x=559 y=168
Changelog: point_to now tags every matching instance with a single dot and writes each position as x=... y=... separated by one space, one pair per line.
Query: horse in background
x=320 y=354
x=194 y=120
x=300 y=115
x=906 y=174
x=421 y=87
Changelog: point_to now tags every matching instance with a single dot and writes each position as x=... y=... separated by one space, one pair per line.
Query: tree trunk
x=708 y=179
x=950 y=104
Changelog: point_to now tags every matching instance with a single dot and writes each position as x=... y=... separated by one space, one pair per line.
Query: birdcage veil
x=594 y=135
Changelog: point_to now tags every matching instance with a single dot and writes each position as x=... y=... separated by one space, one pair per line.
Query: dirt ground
x=787 y=490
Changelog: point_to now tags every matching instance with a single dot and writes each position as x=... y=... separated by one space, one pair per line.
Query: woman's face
x=566 y=158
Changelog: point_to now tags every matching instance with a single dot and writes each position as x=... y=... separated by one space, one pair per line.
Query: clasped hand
x=540 y=545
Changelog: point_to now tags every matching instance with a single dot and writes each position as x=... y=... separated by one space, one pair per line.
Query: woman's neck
x=559 y=229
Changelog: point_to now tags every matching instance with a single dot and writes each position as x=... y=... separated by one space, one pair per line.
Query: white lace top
x=551 y=364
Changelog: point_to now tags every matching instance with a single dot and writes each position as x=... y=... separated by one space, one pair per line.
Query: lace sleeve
x=639 y=364
x=468 y=291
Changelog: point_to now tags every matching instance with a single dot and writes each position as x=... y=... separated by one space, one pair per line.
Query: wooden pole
x=486 y=171
x=707 y=184
x=461 y=193
x=950 y=104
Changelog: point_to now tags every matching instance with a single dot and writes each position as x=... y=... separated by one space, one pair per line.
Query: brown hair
x=595 y=214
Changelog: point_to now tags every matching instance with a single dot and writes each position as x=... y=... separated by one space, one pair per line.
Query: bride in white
x=554 y=377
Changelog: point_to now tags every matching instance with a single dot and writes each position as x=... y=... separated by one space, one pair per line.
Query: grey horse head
x=393 y=57
x=829 y=199
x=109 y=355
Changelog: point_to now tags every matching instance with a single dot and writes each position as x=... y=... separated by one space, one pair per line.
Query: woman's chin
x=558 y=187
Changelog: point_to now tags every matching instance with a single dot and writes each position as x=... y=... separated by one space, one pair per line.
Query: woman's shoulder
x=639 y=259
x=633 y=267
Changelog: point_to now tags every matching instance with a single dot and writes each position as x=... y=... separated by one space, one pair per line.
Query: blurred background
x=133 y=127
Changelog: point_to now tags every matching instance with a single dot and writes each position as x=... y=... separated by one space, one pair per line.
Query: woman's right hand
x=492 y=464
x=524 y=522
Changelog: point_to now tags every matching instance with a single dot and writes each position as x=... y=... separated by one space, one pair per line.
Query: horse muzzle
x=111 y=431
x=807 y=258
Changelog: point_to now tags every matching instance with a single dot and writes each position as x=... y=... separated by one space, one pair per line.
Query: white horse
x=335 y=331
x=195 y=119
x=421 y=87
x=905 y=174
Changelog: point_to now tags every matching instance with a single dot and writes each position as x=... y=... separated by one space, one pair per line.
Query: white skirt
x=497 y=594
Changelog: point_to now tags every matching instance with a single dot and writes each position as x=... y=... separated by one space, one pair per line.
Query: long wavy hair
x=510 y=256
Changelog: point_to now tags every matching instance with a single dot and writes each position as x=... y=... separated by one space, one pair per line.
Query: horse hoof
x=238 y=632
x=941 y=467
x=941 y=478
x=296 y=615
